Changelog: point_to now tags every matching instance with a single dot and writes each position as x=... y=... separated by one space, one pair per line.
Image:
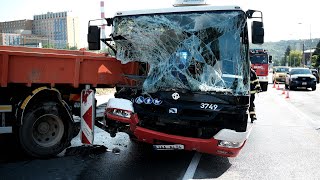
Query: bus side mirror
x=270 y=59
x=257 y=31
x=94 y=38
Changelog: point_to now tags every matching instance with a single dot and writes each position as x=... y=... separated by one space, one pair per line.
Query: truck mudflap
x=226 y=142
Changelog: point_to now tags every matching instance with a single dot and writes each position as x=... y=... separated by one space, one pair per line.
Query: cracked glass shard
x=193 y=51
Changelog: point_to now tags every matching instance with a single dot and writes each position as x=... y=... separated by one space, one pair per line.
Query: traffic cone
x=287 y=96
x=274 y=84
x=278 y=88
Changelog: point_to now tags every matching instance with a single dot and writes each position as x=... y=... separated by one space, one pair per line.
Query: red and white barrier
x=87 y=116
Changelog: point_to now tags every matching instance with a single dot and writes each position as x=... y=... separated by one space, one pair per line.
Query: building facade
x=30 y=40
x=16 y=27
x=61 y=28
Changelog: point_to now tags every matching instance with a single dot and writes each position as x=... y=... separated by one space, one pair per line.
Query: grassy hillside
x=277 y=49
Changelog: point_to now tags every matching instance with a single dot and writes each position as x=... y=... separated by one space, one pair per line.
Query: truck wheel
x=44 y=132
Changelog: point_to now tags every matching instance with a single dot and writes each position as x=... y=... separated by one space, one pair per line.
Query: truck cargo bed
x=22 y=65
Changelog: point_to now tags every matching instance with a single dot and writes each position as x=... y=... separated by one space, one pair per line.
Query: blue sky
x=283 y=20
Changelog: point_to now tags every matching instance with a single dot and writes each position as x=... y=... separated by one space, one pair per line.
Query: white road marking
x=192 y=166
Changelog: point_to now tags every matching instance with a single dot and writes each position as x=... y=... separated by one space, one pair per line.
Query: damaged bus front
x=192 y=82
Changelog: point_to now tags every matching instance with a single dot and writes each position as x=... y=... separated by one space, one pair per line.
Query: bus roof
x=177 y=9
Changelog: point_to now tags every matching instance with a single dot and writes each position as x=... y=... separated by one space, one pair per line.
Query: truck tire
x=45 y=130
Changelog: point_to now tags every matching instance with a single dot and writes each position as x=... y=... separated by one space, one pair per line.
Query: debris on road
x=85 y=150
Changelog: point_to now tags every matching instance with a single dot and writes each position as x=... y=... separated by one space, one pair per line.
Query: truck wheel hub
x=48 y=130
x=43 y=127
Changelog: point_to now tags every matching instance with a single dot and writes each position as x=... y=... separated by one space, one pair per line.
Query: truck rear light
x=229 y=144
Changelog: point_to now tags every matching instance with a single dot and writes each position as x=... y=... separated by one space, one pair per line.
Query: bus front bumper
x=226 y=142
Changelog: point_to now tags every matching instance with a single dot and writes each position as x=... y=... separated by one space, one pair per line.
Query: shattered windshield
x=196 y=51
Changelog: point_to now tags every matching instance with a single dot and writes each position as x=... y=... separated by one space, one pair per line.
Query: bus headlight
x=119 y=112
x=229 y=144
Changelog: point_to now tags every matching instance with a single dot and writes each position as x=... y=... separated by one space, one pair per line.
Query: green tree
x=48 y=46
x=286 y=54
x=72 y=48
x=314 y=62
x=276 y=62
x=287 y=51
x=295 y=58
x=282 y=61
x=317 y=51
x=316 y=56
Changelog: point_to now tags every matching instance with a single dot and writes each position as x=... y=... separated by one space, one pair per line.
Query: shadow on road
x=212 y=167
x=10 y=150
x=301 y=89
x=140 y=161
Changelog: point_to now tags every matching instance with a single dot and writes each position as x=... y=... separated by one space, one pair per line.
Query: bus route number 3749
x=208 y=106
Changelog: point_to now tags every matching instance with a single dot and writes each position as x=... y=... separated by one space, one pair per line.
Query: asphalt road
x=284 y=144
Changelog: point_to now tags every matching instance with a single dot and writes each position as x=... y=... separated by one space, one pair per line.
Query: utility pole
x=310 y=47
x=303 y=58
x=302 y=63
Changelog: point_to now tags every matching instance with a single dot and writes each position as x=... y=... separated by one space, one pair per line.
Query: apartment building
x=30 y=40
x=61 y=27
x=17 y=27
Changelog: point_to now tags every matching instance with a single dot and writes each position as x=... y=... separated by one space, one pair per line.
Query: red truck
x=260 y=60
x=40 y=92
x=191 y=91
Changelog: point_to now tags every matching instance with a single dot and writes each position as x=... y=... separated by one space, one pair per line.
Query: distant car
x=279 y=73
x=300 y=77
x=315 y=73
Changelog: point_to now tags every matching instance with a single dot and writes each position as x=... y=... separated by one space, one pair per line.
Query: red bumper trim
x=209 y=146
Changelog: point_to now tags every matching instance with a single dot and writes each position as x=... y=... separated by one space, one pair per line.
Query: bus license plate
x=169 y=147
